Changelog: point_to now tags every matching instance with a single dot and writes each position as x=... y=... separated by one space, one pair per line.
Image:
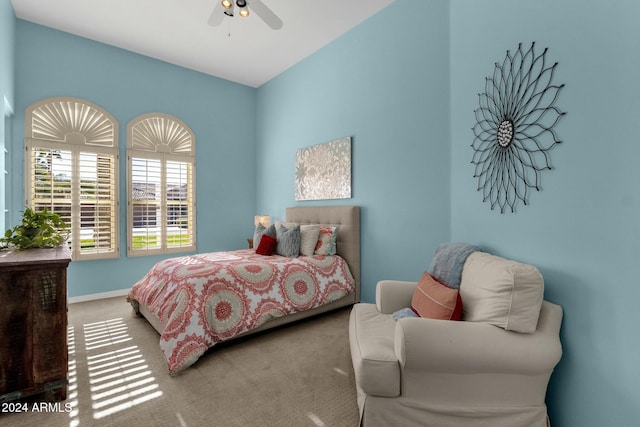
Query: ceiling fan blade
x=216 y=16
x=266 y=14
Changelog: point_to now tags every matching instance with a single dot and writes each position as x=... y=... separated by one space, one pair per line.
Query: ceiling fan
x=227 y=8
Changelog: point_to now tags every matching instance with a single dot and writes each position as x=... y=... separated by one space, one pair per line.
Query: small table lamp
x=261 y=219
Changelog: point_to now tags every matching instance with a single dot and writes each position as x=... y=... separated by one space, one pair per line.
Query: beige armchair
x=425 y=372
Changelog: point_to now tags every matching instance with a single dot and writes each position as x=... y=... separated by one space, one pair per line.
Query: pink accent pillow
x=326 y=244
x=434 y=300
x=267 y=245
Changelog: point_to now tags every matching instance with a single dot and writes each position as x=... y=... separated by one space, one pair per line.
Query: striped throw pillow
x=434 y=300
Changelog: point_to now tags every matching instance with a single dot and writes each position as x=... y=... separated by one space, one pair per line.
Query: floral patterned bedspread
x=208 y=298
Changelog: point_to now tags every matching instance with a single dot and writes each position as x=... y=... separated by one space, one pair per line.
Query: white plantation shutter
x=146 y=212
x=97 y=202
x=160 y=185
x=48 y=191
x=71 y=168
x=179 y=176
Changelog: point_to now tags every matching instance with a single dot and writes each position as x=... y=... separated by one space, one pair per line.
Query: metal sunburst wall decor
x=514 y=128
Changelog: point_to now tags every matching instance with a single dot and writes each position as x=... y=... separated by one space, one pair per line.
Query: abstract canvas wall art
x=323 y=171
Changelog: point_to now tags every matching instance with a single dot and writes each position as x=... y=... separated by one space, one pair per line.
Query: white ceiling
x=243 y=50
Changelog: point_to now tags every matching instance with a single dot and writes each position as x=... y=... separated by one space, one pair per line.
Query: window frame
x=162 y=137
x=84 y=128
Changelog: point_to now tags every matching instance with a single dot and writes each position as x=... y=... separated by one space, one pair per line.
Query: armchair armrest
x=393 y=295
x=470 y=347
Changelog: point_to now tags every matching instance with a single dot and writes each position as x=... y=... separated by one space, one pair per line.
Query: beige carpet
x=298 y=375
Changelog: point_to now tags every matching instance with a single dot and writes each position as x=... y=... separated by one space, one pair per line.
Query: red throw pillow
x=435 y=300
x=267 y=245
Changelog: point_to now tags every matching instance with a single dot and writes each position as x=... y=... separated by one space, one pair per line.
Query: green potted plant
x=41 y=229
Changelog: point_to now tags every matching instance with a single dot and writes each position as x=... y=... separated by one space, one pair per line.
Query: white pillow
x=502 y=292
x=308 y=238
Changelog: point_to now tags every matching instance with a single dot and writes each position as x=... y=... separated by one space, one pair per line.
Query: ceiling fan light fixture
x=228 y=7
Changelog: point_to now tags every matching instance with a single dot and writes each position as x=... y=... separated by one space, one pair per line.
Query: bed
x=197 y=301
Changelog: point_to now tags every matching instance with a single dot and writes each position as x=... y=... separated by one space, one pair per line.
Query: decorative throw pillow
x=278 y=223
x=403 y=312
x=288 y=241
x=435 y=300
x=501 y=292
x=327 y=238
x=262 y=230
x=308 y=238
x=267 y=245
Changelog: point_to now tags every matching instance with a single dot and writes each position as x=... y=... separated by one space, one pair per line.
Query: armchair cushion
x=501 y=292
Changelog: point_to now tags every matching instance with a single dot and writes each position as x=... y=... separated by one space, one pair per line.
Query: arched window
x=71 y=168
x=160 y=185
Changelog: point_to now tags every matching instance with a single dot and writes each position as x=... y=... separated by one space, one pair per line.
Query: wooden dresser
x=33 y=324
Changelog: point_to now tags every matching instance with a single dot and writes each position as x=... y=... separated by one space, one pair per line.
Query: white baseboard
x=102 y=295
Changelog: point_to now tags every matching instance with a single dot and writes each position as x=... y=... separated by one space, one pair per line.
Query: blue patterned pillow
x=262 y=230
x=288 y=241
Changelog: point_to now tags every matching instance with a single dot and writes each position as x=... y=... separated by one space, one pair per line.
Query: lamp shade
x=261 y=219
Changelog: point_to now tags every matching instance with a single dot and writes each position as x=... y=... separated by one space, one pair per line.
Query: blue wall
x=7 y=32
x=52 y=63
x=582 y=229
x=385 y=84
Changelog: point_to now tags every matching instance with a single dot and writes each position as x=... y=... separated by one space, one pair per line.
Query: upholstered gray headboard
x=347 y=219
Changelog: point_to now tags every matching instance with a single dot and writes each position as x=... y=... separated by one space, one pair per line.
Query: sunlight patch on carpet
x=119 y=377
x=340 y=371
x=72 y=393
x=316 y=420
